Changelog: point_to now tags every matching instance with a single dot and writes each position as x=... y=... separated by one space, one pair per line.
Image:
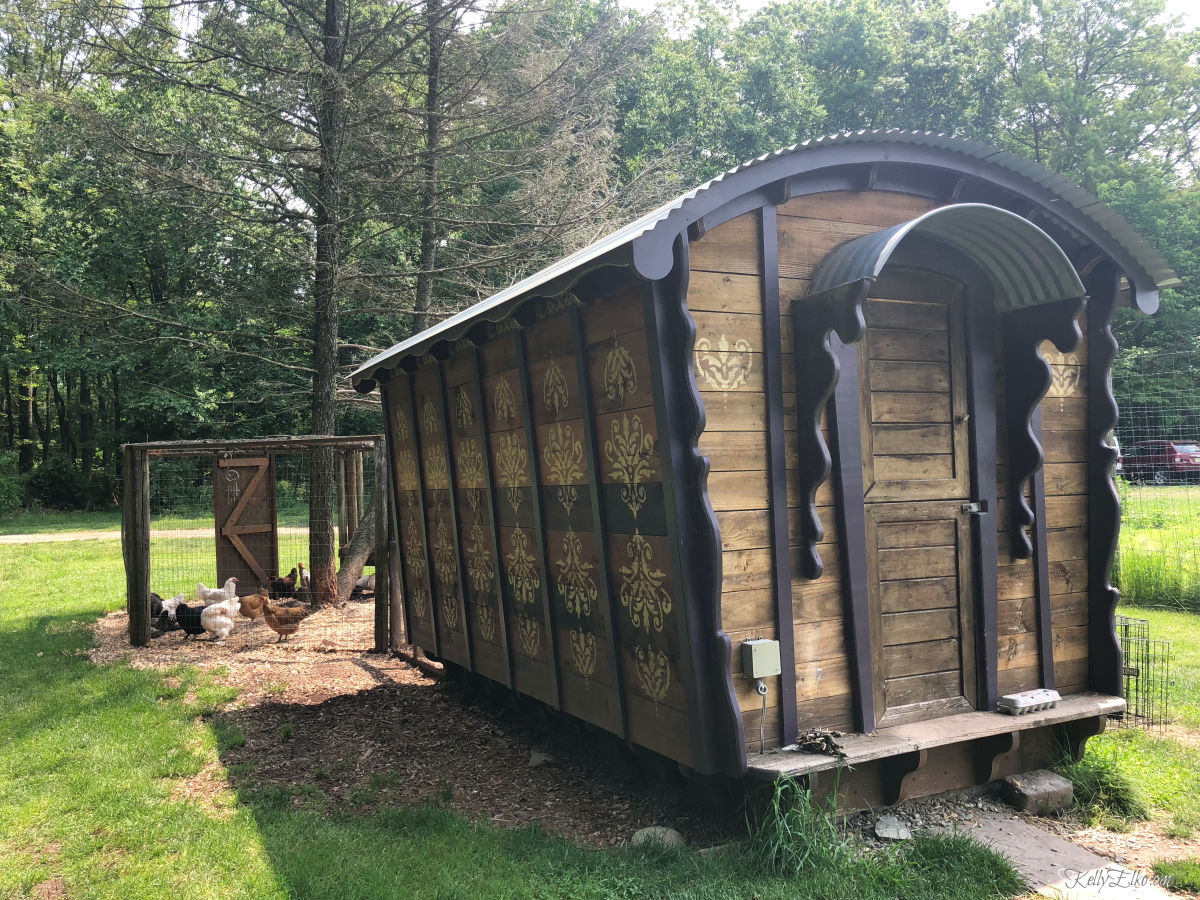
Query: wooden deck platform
x=900 y=740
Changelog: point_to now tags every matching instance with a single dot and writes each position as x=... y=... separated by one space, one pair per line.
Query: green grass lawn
x=90 y=757
x=1159 y=559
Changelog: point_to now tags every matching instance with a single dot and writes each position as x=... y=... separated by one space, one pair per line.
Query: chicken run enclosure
x=200 y=512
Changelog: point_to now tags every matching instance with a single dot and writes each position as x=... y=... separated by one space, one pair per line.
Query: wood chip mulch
x=335 y=724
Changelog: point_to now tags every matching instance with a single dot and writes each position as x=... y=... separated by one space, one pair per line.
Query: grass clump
x=1104 y=793
x=1179 y=874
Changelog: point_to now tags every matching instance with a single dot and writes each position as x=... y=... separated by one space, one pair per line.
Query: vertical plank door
x=244 y=509
x=917 y=496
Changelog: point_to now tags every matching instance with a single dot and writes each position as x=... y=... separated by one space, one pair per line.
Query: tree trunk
x=429 y=164
x=9 y=417
x=43 y=424
x=87 y=425
x=25 y=420
x=65 y=438
x=331 y=120
x=357 y=551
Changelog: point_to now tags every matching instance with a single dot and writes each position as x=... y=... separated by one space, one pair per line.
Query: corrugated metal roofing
x=1024 y=264
x=672 y=217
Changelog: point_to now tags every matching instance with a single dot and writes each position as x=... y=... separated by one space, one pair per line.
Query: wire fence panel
x=1145 y=676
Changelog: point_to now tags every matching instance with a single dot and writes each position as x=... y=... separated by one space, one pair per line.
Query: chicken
x=282 y=587
x=366 y=583
x=217 y=619
x=162 y=613
x=252 y=606
x=283 y=620
x=305 y=576
x=188 y=618
x=209 y=596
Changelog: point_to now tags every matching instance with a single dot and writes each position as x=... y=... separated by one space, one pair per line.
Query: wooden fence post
x=382 y=584
x=135 y=542
x=342 y=529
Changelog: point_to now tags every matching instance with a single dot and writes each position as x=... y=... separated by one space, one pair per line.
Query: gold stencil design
x=620 y=374
x=552 y=305
x=420 y=599
x=522 y=569
x=726 y=366
x=505 y=403
x=406 y=470
x=414 y=551
x=554 y=389
x=437 y=475
x=530 y=631
x=487 y=622
x=575 y=582
x=628 y=450
x=1064 y=380
x=513 y=463
x=464 y=414
x=470 y=472
x=429 y=418
x=642 y=592
x=403 y=432
x=653 y=672
x=479 y=562
x=583 y=652
x=450 y=611
x=443 y=556
x=563 y=455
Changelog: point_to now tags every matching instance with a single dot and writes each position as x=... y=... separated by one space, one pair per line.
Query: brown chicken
x=252 y=606
x=282 y=587
x=283 y=620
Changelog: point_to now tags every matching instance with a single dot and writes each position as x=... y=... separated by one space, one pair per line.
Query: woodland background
x=212 y=210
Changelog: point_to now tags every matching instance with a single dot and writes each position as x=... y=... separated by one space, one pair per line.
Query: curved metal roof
x=646 y=242
x=1024 y=264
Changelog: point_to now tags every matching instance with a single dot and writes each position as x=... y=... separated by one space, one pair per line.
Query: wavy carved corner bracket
x=814 y=319
x=1029 y=376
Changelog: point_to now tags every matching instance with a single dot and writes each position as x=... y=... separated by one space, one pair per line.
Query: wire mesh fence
x=1145 y=676
x=247 y=513
x=1158 y=561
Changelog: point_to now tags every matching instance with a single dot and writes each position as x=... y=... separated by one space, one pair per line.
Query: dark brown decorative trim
x=1028 y=378
x=1104 y=506
x=896 y=772
x=452 y=505
x=777 y=471
x=814 y=318
x=598 y=525
x=494 y=529
x=715 y=719
x=1041 y=567
x=845 y=417
x=398 y=589
x=414 y=423
x=539 y=524
x=981 y=427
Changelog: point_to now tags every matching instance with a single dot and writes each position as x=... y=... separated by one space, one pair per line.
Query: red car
x=1162 y=462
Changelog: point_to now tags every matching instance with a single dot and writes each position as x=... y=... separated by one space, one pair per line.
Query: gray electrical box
x=760 y=658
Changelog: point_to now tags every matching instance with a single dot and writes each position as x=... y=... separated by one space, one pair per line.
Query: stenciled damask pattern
x=414 y=556
x=486 y=617
x=464 y=413
x=575 y=582
x=437 y=473
x=512 y=461
x=479 y=562
x=429 y=419
x=725 y=367
x=583 y=652
x=505 y=403
x=470 y=473
x=620 y=374
x=406 y=470
x=450 y=611
x=629 y=449
x=554 y=389
x=522 y=569
x=403 y=431
x=642 y=592
x=563 y=455
x=444 y=562
x=530 y=631
x=653 y=672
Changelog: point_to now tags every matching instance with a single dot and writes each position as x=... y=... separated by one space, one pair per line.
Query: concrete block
x=1040 y=792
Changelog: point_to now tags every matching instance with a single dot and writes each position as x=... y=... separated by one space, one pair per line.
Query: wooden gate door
x=244 y=510
x=917 y=496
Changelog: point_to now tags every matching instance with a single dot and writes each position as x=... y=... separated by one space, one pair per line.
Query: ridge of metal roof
x=687 y=208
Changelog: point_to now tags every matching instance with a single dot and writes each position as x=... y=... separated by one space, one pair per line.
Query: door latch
x=975 y=507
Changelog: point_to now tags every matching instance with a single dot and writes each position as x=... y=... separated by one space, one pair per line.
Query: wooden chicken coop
x=847 y=402
x=252 y=498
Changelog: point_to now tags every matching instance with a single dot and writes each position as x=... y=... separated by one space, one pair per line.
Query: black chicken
x=188 y=618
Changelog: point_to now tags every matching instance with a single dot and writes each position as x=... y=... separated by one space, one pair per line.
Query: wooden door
x=917 y=496
x=244 y=510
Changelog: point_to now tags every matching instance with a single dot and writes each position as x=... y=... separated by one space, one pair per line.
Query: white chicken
x=169 y=606
x=217 y=619
x=208 y=596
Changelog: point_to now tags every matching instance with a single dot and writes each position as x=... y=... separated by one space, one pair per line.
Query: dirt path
x=61 y=536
